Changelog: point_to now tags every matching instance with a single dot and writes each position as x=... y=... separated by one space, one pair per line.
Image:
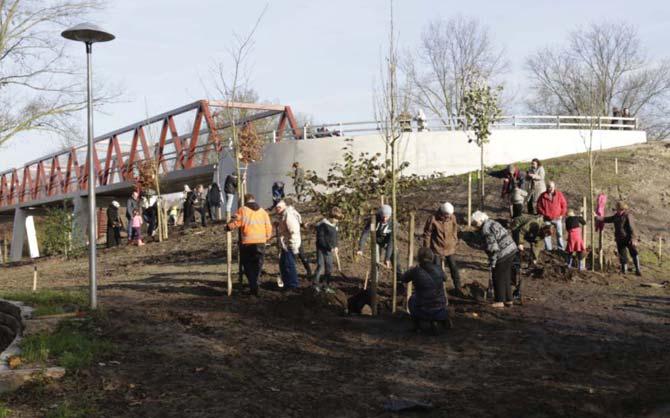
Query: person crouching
x=428 y=302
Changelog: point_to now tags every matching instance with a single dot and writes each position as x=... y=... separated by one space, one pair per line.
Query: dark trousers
x=188 y=215
x=202 y=211
x=450 y=261
x=621 y=248
x=305 y=262
x=324 y=264
x=517 y=210
x=113 y=235
x=502 y=279
x=287 y=269
x=251 y=257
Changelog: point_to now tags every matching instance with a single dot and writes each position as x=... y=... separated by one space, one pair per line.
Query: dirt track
x=583 y=345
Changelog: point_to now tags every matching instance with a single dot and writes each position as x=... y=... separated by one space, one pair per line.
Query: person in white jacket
x=289 y=241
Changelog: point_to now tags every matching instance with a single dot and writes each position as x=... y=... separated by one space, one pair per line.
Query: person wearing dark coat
x=189 y=199
x=230 y=189
x=132 y=204
x=384 y=233
x=113 y=225
x=326 y=246
x=428 y=302
x=214 y=201
x=624 y=235
x=277 y=193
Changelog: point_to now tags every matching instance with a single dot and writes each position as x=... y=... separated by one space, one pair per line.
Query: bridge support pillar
x=18 y=234
x=80 y=221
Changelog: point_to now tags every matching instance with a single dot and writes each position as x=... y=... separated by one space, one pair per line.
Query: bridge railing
x=118 y=155
x=459 y=124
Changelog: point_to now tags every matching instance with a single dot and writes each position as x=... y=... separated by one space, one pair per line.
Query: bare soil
x=582 y=345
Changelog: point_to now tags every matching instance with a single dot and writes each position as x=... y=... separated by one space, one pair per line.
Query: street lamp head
x=87 y=32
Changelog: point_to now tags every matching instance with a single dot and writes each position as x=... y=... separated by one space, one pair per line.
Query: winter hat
x=447 y=208
x=280 y=206
x=571 y=212
x=115 y=204
x=480 y=217
x=186 y=188
x=386 y=210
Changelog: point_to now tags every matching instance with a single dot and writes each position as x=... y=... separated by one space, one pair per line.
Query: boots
x=570 y=259
x=582 y=264
x=624 y=268
x=636 y=260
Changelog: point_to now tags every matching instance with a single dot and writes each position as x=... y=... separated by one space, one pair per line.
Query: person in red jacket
x=553 y=207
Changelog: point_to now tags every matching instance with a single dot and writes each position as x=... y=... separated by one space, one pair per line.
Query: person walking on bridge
x=254 y=222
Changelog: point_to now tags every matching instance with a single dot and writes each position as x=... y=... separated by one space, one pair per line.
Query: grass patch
x=49 y=302
x=74 y=345
x=4 y=411
x=67 y=410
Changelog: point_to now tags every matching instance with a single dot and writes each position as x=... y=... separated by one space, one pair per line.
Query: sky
x=318 y=56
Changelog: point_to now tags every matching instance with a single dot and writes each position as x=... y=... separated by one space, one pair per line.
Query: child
x=575 y=242
x=326 y=245
x=136 y=224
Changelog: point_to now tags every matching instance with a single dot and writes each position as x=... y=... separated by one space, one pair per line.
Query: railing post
x=339 y=127
x=304 y=132
x=274 y=136
x=514 y=121
x=558 y=122
x=600 y=122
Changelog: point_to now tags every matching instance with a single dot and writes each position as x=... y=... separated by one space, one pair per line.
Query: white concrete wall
x=428 y=152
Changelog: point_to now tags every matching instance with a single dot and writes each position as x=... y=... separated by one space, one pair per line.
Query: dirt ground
x=582 y=345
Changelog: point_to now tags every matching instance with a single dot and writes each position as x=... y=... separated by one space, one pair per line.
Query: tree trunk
x=410 y=256
x=481 y=177
x=374 y=263
x=394 y=218
x=591 y=202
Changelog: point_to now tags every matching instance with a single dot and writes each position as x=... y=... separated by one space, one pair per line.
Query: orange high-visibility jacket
x=255 y=225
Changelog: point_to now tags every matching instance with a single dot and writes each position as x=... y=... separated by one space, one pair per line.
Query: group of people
x=140 y=209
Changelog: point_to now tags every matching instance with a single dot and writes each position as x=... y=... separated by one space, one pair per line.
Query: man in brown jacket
x=441 y=235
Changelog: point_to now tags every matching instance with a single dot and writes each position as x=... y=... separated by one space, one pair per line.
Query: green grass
x=49 y=302
x=67 y=410
x=4 y=411
x=74 y=345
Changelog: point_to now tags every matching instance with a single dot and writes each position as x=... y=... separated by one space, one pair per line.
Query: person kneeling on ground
x=575 y=242
x=326 y=245
x=256 y=231
x=428 y=302
x=624 y=235
x=529 y=232
x=501 y=250
x=441 y=235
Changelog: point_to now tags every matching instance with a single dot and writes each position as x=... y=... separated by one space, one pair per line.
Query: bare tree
x=452 y=53
x=388 y=107
x=40 y=86
x=601 y=66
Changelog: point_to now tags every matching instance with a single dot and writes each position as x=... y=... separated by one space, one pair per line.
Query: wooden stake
x=410 y=256
x=34 y=278
x=585 y=218
x=470 y=199
x=382 y=199
x=365 y=283
x=660 y=250
x=229 y=256
x=374 y=257
x=616 y=165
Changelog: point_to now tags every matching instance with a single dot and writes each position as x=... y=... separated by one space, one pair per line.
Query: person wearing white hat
x=440 y=234
x=114 y=225
x=501 y=250
x=384 y=234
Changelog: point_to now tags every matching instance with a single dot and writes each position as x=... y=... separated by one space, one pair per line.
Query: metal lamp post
x=89 y=33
